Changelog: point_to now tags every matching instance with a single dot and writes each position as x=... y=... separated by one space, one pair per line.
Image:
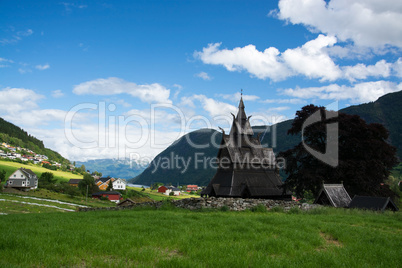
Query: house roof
x=106 y=192
x=28 y=172
x=373 y=203
x=175 y=189
x=74 y=181
x=334 y=195
x=126 y=202
x=192 y=186
x=103 y=179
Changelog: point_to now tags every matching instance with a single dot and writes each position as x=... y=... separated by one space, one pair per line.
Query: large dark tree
x=363 y=161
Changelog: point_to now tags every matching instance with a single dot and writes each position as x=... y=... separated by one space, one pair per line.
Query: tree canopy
x=110 y=185
x=89 y=181
x=46 y=179
x=363 y=159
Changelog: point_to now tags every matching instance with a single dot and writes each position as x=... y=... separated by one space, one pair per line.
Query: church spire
x=241 y=125
x=241 y=104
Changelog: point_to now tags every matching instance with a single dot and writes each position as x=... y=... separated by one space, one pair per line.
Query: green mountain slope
x=386 y=110
x=16 y=136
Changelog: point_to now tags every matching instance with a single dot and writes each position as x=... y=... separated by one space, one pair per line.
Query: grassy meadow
x=10 y=167
x=153 y=194
x=171 y=237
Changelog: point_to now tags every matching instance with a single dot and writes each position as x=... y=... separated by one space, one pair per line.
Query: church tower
x=245 y=168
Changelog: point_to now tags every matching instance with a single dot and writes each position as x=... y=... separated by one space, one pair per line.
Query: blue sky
x=113 y=79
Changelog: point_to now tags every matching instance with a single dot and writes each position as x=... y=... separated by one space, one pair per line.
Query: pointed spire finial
x=241 y=93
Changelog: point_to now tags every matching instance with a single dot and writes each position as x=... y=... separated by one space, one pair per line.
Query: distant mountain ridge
x=387 y=110
x=123 y=169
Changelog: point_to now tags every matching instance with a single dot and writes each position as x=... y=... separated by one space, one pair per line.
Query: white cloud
x=358 y=93
x=150 y=93
x=57 y=93
x=397 y=67
x=25 y=33
x=203 y=75
x=265 y=64
x=361 y=71
x=236 y=97
x=6 y=60
x=14 y=100
x=3 y=60
x=42 y=67
x=214 y=107
x=370 y=23
x=16 y=37
x=281 y=101
x=312 y=61
x=69 y=6
x=24 y=70
x=37 y=117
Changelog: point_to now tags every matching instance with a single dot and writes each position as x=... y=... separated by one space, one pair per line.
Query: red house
x=191 y=188
x=111 y=195
x=162 y=189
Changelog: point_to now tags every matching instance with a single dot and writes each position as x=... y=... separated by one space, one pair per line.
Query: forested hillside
x=16 y=136
x=387 y=110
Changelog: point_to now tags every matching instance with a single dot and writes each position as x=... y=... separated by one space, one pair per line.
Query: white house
x=24 y=179
x=119 y=184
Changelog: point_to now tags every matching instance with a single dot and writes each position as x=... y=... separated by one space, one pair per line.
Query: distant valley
x=113 y=167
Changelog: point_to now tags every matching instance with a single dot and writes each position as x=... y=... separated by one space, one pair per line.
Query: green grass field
x=10 y=207
x=181 y=238
x=153 y=194
x=10 y=167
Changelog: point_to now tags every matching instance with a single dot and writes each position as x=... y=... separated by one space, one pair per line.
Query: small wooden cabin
x=334 y=195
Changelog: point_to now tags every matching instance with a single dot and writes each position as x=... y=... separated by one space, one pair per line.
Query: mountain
x=15 y=136
x=181 y=162
x=112 y=167
x=386 y=110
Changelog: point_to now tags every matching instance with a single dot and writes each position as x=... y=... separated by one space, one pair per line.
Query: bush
x=224 y=208
x=294 y=210
x=104 y=198
x=167 y=205
x=259 y=208
x=277 y=209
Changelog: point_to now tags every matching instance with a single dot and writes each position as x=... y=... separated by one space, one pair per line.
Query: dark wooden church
x=245 y=168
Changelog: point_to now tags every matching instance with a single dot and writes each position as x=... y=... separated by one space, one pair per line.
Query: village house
x=192 y=188
x=169 y=189
x=74 y=182
x=24 y=179
x=119 y=184
x=111 y=195
x=103 y=183
x=162 y=189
